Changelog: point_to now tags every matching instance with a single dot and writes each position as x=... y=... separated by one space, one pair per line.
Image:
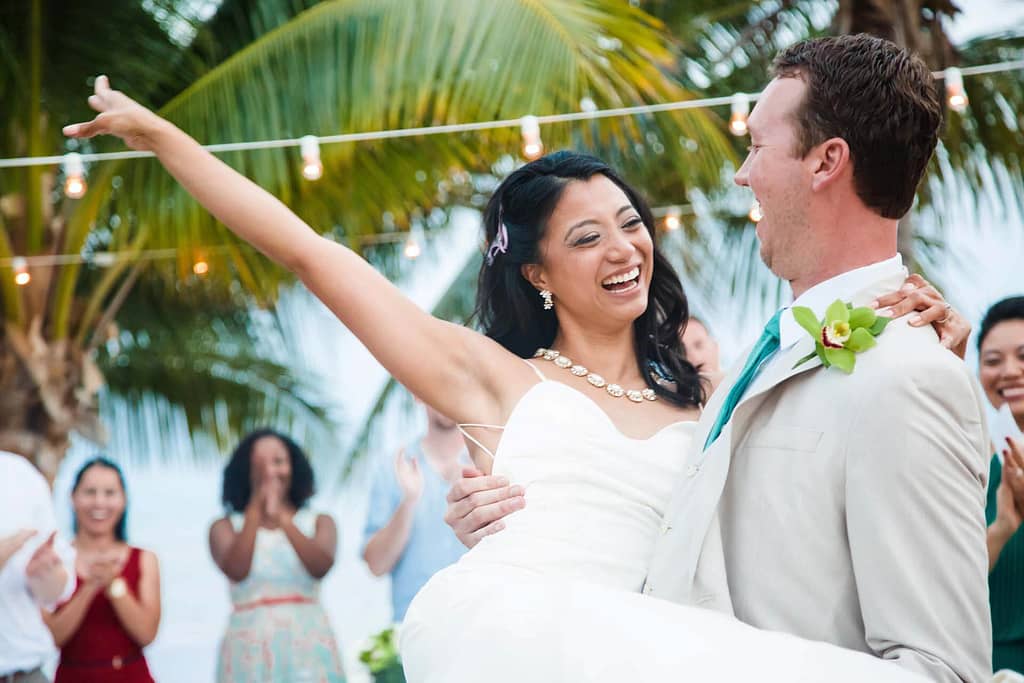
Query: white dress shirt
x=25 y=503
x=820 y=296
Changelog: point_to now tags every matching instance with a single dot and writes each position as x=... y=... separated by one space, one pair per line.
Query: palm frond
x=352 y=65
x=213 y=371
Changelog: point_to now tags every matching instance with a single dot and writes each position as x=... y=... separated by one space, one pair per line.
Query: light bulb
x=533 y=146
x=411 y=250
x=756 y=214
x=955 y=93
x=672 y=219
x=200 y=267
x=740 y=110
x=74 y=176
x=312 y=167
x=21 y=275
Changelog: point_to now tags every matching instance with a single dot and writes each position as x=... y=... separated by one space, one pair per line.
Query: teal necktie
x=765 y=347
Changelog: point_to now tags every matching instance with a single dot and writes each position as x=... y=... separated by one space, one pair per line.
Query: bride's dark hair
x=509 y=309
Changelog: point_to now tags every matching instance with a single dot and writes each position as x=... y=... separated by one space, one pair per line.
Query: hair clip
x=500 y=243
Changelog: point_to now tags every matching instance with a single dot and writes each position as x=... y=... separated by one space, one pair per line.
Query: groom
x=841 y=508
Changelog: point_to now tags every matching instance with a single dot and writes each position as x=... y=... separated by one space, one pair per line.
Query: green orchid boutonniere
x=845 y=332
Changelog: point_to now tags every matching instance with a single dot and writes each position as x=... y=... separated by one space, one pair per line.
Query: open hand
x=409 y=476
x=478 y=504
x=917 y=294
x=1010 y=494
x=119 y=115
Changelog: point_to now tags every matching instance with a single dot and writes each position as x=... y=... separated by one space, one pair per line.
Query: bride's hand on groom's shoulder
x=920 y=296
x=478 y=504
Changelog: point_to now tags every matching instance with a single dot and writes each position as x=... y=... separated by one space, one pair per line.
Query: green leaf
x=819 y=349
x=862 y=317
x=806 y=358
x=806 y=319
x=860 y=340
x=843 y=359
x=837 y=312
x=879 y=325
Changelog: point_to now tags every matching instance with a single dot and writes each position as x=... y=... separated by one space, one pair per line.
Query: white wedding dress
x=555 y=595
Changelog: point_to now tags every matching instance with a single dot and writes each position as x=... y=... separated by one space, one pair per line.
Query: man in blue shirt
x=406 y=535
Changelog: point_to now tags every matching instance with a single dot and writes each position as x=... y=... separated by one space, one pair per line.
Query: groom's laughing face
x=779 y=178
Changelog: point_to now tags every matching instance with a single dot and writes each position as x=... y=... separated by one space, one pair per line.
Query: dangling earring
x=548 y=303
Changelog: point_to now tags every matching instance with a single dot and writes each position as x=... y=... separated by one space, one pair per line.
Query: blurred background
x=136 y=325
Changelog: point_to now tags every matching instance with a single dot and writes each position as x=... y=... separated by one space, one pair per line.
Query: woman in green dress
x=1001 y=371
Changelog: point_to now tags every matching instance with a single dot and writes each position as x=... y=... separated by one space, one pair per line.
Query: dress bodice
x=276 y=569
x=595 y=497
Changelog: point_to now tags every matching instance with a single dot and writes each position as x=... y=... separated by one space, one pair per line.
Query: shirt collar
x=842 y=286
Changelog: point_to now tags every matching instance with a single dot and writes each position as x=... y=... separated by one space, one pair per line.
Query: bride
x=597 y=426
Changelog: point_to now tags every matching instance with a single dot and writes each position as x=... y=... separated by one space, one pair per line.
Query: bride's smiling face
x=596 y=255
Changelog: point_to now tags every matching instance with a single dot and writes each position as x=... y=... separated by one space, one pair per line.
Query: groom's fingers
x=483 y=507
x=467 y=486
x=492 y=528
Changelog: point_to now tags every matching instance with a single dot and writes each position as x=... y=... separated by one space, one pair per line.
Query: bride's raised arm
x=448 y=366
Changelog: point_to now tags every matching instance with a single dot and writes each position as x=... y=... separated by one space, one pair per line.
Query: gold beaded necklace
x=634 y=395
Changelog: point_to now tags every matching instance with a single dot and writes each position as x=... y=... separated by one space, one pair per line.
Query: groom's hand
x=477 y=504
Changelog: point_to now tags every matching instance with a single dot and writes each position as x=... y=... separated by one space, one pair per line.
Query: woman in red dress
x=115 y=610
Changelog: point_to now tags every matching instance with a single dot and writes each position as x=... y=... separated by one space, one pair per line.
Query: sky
x=171 y=505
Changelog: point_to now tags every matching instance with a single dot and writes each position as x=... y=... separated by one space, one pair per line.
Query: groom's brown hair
x=880 y=99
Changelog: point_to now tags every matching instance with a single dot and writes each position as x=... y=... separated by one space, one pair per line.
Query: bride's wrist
x=164 y=136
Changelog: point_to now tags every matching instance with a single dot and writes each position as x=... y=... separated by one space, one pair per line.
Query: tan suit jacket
x=844 y=508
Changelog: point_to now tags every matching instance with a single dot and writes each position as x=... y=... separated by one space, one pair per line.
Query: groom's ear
x=832 y=161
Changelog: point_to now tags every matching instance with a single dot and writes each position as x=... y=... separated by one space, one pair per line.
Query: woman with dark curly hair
x=274 y=550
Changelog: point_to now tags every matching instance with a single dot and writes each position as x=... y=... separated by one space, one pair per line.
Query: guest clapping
x=274 y=551
x=36 y=570
x=406 y=535
x=1001 y=371
x=115 y=610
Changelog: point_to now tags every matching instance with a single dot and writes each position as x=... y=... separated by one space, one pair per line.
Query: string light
x=312 y=167
x=756 y=214
x=955 y=93
x=74 y=175
x=586 y=115
x=412 y=249
x=740 y=111
x=673 y=218
x=21 y=275
x=533 y=147
x=200 y=267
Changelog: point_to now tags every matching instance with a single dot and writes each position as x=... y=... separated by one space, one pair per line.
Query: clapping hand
x=44 y=560
x=104 y=569
x=1010 y=494
x=409 y=476
x=9 y=545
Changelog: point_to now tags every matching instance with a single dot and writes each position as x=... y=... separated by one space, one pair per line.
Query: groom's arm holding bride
x=477 y=503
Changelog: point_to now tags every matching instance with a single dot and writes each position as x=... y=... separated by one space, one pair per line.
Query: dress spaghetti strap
x=485 y=449
x=536 y=371
x=462 y=427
